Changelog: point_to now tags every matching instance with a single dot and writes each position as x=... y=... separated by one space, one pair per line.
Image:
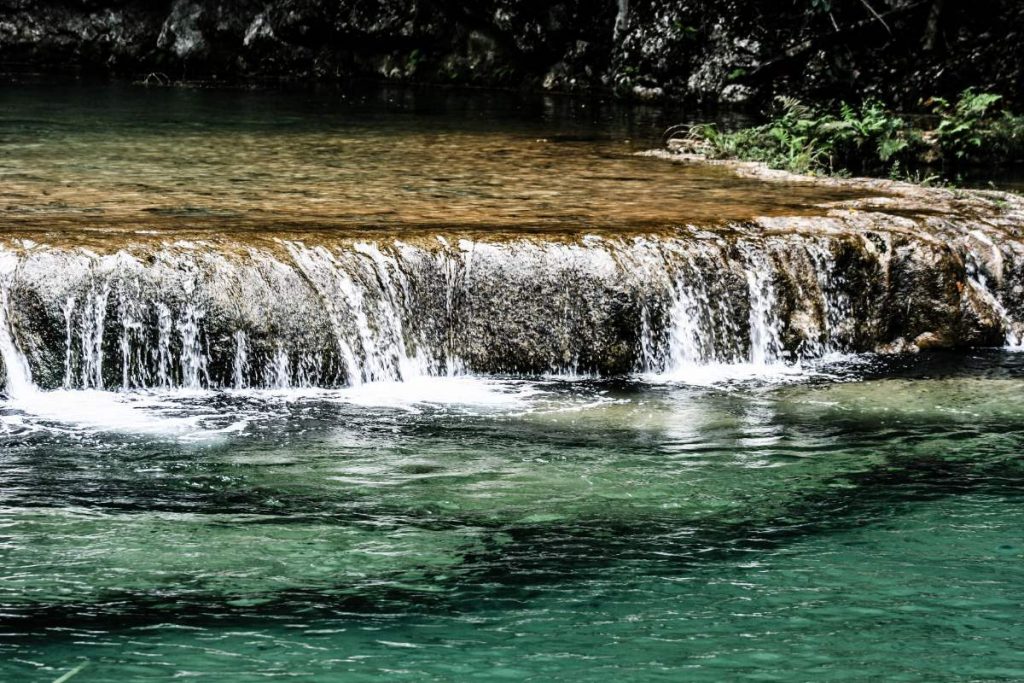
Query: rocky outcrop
x=720 y=50
x=899 y=269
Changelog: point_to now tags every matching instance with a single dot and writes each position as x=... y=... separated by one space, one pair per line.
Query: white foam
x=130 y=413
x=465 y=391
x=716 y=374
x=831 y=366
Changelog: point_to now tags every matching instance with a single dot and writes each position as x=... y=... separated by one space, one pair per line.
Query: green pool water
x=858 y=524
x=858 y=520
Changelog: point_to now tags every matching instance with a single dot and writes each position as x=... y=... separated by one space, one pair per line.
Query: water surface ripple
x=728 y=520
x=550 y=529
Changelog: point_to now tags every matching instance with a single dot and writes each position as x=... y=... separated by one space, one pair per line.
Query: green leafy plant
x=964 y=128
x=869 y=139
x=802 y=139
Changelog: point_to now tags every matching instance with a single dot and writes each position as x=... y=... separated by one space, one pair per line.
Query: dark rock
x=717 y=50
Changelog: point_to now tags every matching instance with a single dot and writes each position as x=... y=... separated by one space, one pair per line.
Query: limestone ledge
x=900 y=269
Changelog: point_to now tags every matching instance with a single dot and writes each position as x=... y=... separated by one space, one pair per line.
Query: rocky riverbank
x=715 y=50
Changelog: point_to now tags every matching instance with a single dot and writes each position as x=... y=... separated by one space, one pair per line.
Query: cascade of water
x=1012 y=331
x=19 y=377
x=240 y=364
x=375 y=367
x=398 y=310
x=1014 y=338
x=977 y=279
x=702 y=326
x=653 y=348
x=833 y=297
x=69 y=312
x=93 y=324
x=280 y=370
x=765 y=343
x=309 y=371
x=130 y=329
x=164 y=327
x=318 y=266
x=370 y=369
x=1014 y=335
x=126 y=352
x=686 y=333
x=648 y=347
x=394 y=287
x=193 y=360
x=133 y=347
x=456 y=275
x=365 y=295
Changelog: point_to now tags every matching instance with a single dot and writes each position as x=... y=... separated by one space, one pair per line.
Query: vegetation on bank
x=948 y=142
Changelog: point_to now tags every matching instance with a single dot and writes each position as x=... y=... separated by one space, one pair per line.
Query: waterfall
x=687 y=337
x=319 y=271
x=836 y=306
x=704 y=322
x=765 y=345
x=93 y=325
x=193 y=360
x=394 y=287
x=240 y=364
x=1013 y=332
x=979 y=283
x=69 y=313
x=280 y=370
x=163 y=345
x=344 y=311
x=19 y=377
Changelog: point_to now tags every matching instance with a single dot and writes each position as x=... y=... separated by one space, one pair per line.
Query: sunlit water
x=97 y=165
x=853 y=518
x=862 y=523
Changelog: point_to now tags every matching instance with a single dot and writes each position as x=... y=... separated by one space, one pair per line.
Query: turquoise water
x=855 y=521
x=861 y=524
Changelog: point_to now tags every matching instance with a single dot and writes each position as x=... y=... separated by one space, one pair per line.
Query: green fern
x=869 y=138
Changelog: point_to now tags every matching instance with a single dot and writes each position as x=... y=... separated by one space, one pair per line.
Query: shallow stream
x=849 y=517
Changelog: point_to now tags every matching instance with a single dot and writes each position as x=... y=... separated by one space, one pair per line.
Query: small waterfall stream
x=19 y=377
x=240 y=364
x=765 y=343
x=707 y=324
x=350 y=312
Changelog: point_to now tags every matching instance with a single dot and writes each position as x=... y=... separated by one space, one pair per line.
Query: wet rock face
x=329 y=312
x=721 y=50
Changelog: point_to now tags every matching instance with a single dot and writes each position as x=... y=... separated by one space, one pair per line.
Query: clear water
x=861 y=524
x=854 y=521
x=99 y=165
